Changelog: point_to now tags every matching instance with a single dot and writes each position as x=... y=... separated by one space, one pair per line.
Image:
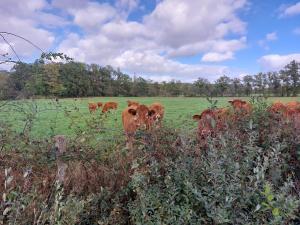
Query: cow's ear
x=196 y=117
x=132 y=111
x=243 y=102
x=230 y=102
x=151 y=112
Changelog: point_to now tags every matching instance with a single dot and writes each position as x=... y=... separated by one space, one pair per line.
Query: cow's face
x=237 y=103
x=141 y=115
x=205 y=115
x=154 y=116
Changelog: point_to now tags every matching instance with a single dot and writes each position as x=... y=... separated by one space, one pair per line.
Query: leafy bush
x=244 y=175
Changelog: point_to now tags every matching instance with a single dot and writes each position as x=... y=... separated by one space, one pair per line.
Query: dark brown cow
x=92 y=107
x=133 y=118
x=132 y=103
x=157 y=117
x=108 y=106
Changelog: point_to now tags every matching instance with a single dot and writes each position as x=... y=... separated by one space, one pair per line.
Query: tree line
x=75 y=79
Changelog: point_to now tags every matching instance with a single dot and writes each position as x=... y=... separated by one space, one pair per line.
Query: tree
x=122 y=84
x=222 y=85
x=3 y=85
x=248 y=81
x=286 y=82
x=292 y=73
x=202 y=87
x=260 y=82
x=274 y=83
x=52 y=79
x=237 y=87
x=139 y=87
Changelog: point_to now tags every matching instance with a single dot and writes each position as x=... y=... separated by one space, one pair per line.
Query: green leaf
x=270 y=197
x=267 y=189
x=275 y=212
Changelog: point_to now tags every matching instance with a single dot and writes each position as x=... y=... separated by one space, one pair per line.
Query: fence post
x=60 y=148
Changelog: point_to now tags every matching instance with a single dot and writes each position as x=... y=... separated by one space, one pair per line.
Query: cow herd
x=211 y=121
x=105 y=107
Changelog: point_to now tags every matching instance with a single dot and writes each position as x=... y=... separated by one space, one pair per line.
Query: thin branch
x=11 y=47
x=4 y=32
x=9 y=61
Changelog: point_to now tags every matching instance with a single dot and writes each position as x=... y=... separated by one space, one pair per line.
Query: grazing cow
x=99 y=104
x=132 y=103
x=108 y=106
x=92 y=107
x=133 y=118
x=159 y=113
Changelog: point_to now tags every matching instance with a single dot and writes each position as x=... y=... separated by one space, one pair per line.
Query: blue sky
x=159 y=39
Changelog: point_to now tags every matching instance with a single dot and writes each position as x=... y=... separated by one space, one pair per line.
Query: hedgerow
x=247 y=174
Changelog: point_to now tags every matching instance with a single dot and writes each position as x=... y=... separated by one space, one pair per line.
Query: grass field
x=49 y=118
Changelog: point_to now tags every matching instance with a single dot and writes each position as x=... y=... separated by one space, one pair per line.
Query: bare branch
x=11 y=47
x=34 y=45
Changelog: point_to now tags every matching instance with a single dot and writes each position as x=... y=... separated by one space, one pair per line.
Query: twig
x=11 y=47
x=4 y=32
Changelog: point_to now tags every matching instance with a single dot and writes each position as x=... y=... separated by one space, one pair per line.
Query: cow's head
x=141 y=115
x=238 y=103
x=206 y=114
x=132 y=103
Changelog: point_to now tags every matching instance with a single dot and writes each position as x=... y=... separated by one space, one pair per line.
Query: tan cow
x=210 y=122
x=158 y=115
x=133 y=118
x=241 y=108
x=92 y=107
x=108 y=106
x=132 y=103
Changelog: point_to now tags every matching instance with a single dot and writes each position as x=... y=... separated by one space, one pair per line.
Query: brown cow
x=206 y=121
x=210 y=121
x=133 y=118
x=108 y=106
x=241 y=105
x=284 y=111
x=159 y=110
x=99 y=104
x=132 y=103
x=92 y=107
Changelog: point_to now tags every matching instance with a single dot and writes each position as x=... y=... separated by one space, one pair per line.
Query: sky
x=159 y=40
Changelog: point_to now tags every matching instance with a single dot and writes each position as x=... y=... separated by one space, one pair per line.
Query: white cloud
x=291 y=10
x=156 y=67
x=220 y=46
x=94 y=15
x=27 y=19
x=127 y=6
x=191 y=22
x=189 y=29
x=271 y=36
x=297 y=31
x=276 y=62
x=217 y=57
x=268 y=38
x=106 y=36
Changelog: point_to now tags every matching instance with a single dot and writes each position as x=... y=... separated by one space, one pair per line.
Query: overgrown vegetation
x=245 y=175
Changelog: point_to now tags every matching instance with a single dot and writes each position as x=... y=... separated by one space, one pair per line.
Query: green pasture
x=51 y=118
